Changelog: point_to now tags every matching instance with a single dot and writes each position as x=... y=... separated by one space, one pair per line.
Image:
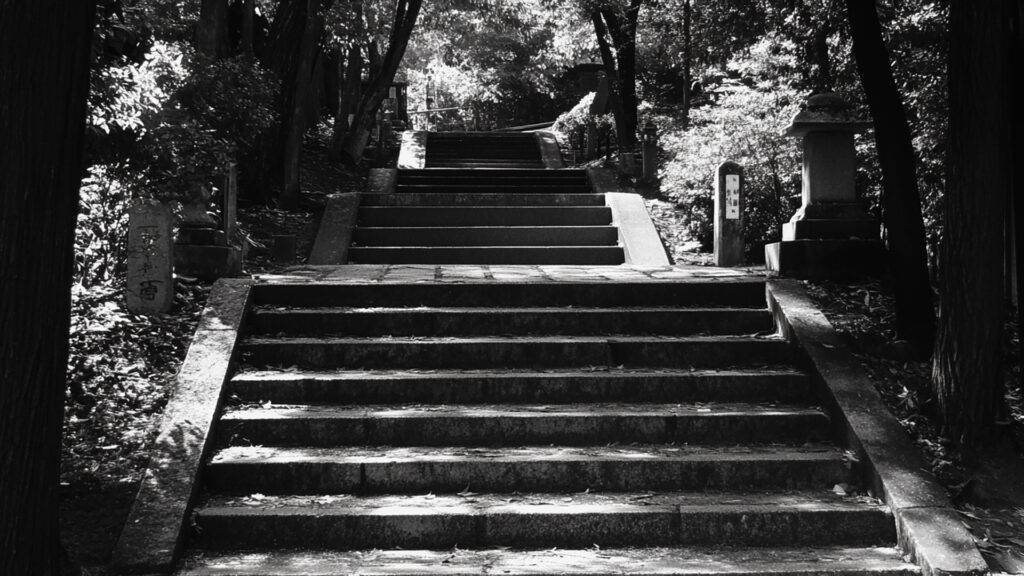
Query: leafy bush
x=171 y=122
x=102 y=230
x=744 y=126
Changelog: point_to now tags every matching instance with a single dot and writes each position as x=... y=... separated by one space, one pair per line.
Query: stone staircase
x=505 y=423
x=494 y=216
x=483 y=150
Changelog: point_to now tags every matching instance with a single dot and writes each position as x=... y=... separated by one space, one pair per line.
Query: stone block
x=826 y=259
x=207 y=262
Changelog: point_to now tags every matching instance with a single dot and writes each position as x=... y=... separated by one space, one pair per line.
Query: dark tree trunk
x=1017 y=192
x=620 y=67
x=42 y=120
x=248 y=27
x=901 y=202
x=212 y=31
x=295 y=37
x=295 y=89
x=687 y=60
x=406 y=13
x=967 y=370
x=822 y=64
x=348 y=99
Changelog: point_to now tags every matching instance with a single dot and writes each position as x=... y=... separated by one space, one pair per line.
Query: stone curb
x=930 y=530
x=413 y=154
x=549 y=151
x=156 y=528
x=639 y=238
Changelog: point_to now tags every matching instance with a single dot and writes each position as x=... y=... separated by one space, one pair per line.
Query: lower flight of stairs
x=528 y=428
x=501 y=216
x=483 y=150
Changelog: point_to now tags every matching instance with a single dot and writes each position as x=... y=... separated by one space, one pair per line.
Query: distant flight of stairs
x=528 y=428
x=483 y=150
x=521 y=216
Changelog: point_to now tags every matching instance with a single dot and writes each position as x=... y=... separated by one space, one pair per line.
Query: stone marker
x=650 y=153
x=729 y=203
x=150 y=246
x=229 y=208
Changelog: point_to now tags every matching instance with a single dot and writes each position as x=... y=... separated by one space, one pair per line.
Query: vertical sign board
x=150 y=276
x=729 y=248
x=732 y=196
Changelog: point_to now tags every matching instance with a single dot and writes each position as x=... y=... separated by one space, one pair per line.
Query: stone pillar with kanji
x=150 y=277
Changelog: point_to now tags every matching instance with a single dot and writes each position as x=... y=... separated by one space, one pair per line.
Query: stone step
x=483 y=198
x=541 y=520
x=506 y=188
x=484 y=216
x=530 y=291
x=474 y=164
x=495 y=352
x=520 y=386
x=488 y=236
x=653 y=561
x=468 y=177
x=419 y=470
x=444 y=174
x=514 y=425
x=483 y=153
x=517 y=255
x=461 y=321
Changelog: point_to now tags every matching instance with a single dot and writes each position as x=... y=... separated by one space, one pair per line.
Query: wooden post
x=729 y=203
x=650 y=153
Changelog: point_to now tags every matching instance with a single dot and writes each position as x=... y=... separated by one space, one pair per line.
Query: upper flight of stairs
x=486 y=198
x=483 y=150
x=507 y=216
x=618 y=427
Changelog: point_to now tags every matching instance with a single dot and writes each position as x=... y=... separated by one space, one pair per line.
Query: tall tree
x=967 y=368
x=212 y=30
x=42 y=122
x=294 y=39
x=406 y=12
x=615 y=27
x=687 y=60
x=901 y=202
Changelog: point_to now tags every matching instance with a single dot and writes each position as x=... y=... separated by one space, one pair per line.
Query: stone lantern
x=830 y=235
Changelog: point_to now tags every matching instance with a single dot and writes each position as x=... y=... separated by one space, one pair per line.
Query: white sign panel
x=732 y=197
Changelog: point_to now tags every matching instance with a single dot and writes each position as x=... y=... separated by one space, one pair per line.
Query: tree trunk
x=1017 y=192
x=212 y=31
x=967 y=370
x=620 y=68
x=248 y=27
x=901 y=202
x=359 y=133
x=348 y=99
x=295 y=90
x=687 y=61
x=42 y=121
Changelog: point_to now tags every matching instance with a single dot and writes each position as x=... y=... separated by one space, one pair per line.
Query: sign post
x=729 y=203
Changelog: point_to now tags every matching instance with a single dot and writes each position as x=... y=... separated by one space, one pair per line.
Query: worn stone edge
x=550 y=154
x=156 y=528
x=334 y=236
x=413 y=154
x=929 y=528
